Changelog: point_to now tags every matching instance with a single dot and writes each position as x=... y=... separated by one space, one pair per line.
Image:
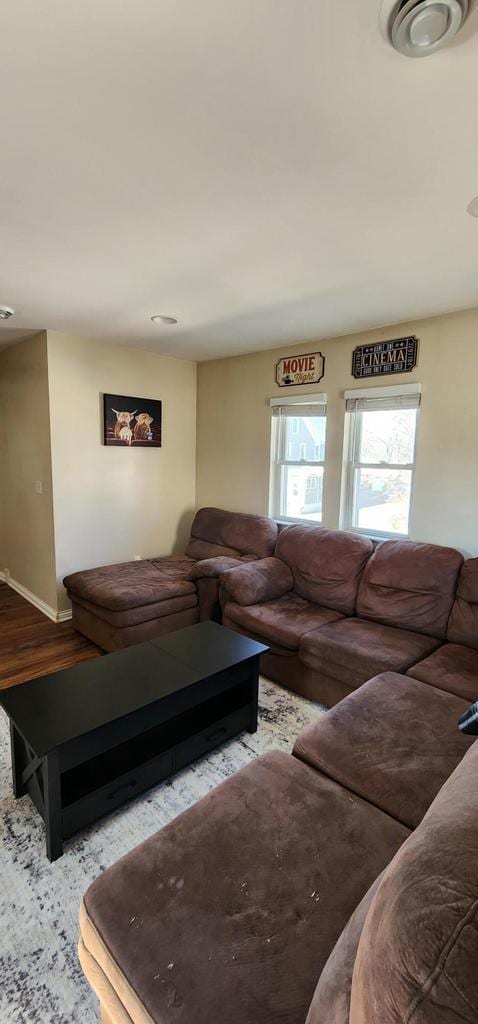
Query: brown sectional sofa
x=337 y=885
x=336 y=612
x=119 y=605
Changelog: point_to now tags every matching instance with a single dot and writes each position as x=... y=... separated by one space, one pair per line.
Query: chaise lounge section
x=119 y=605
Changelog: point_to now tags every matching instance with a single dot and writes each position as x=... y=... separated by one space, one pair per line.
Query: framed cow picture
x=131 y=422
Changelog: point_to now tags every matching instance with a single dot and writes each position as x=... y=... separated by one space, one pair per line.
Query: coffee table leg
x=52 y=799
x=16 y=745
x=254 y=694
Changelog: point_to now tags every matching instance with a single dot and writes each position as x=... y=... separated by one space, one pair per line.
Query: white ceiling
x=267 y=171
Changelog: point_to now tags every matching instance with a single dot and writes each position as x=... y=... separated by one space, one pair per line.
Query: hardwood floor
x=31 y=645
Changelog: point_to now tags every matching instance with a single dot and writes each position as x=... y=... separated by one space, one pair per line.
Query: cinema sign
x=306 y=369
x=385 y=357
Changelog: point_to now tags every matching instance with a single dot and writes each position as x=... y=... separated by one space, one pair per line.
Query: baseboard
x=42 y=606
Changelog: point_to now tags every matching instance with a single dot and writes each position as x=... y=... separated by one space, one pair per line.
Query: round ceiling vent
x=417 y=28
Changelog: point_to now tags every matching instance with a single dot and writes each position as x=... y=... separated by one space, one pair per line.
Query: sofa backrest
x=326 y=564
x=418 y=951
x=216 y=532
x=463 y=623
x=410 y=585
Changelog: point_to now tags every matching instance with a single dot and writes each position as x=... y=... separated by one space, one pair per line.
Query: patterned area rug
x=41 y=980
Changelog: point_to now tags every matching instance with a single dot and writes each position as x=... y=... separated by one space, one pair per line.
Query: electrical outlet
x=137 y=558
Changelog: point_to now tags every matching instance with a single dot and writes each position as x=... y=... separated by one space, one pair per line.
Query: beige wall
x=111 y=503
x=233 y=440
x=27 y=517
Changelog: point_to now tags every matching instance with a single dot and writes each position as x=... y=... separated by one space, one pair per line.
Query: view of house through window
x=298 y=460
x=382 y=433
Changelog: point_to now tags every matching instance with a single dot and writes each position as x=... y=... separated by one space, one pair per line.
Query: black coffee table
x=87 y=739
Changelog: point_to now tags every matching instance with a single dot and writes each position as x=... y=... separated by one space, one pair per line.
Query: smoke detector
x=6 y=312
x=418 y=28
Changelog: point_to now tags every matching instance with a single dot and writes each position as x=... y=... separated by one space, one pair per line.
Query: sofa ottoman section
x=230 y=911
x=394 y=742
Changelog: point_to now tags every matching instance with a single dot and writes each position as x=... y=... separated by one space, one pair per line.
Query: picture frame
x=131 y=422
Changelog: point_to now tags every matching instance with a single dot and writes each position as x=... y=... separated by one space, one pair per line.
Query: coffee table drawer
x=210 y=737
x=113 y=794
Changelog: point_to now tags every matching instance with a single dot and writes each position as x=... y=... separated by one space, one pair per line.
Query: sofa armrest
x=264 y=580
x=213 y=567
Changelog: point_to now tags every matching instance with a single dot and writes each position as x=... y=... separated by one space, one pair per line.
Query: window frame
x=278 y=449
x=352 y=465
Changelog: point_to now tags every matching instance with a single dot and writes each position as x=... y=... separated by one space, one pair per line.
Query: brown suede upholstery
x=453 y=668
x=231 y=911
x=411 y=586
x=394 y=742
x=143 y=612
x=326 y=564
x=311 y=581
x=331 y=1002
x=418 y=952
x=216 y=532
x=130 y=584
x=281 y=622
x=260 y=581
x=354 y=650
x=211 y=568
x=116 y=605
x=463 y=624
x=113 y=638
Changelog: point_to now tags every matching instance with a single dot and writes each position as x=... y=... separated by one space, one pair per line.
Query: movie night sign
x=306 y=369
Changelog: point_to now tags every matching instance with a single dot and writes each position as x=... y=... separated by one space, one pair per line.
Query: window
x=381 y=428
x=297 y=466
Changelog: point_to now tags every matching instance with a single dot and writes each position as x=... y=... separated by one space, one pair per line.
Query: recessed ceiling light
x=6 y=312
x=472 y=207
x=167 y=321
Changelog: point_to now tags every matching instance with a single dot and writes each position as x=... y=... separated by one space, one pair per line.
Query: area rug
x=40 y=978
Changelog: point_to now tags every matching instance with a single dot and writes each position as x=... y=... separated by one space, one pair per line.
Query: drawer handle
x=216 y=735
x=122 y=789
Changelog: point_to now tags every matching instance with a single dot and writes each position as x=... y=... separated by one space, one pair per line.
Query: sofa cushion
x=411 y=586
x=453 y=668
x=394 y=741
x=283 y=621
x=326 y=564
x=463 y=623
x=418 y=952
x=264 y=580
x=331 y=1002
x=129 y=584
x=354 y=650
x=216 y=532
x=231 y=911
